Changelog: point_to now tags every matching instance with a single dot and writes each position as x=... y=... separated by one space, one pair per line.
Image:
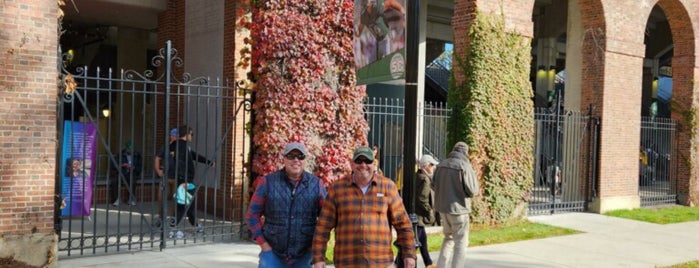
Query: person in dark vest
x=290 y=201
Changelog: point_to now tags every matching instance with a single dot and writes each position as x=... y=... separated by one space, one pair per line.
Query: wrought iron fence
x=657 y=162
x=385 y=119
x=565 y=158
x=115 y=123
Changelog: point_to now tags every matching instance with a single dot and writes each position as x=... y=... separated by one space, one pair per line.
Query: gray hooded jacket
x=455 y=182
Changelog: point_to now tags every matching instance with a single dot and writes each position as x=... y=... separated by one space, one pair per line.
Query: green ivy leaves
x=493 y=113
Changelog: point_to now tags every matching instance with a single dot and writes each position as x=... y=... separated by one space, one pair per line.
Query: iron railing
x=385 y=119
x=565 y=158
x=657 y=167
x=142 y=108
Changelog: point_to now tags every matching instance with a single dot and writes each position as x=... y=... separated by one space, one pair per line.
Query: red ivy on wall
x=303 y=72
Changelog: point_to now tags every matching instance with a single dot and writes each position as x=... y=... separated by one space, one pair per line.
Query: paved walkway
x=606 y=242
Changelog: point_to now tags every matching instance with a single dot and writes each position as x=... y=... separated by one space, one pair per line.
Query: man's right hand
x=320 y=264
x=265 y=247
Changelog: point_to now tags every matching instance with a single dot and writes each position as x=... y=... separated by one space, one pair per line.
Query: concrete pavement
x=605 y=242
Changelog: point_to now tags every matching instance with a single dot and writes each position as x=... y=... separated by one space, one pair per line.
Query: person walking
x=170 y=183
x=185 y=159
x=455 y=183
x=290 y=200
x=423 y=207
x=362 y=207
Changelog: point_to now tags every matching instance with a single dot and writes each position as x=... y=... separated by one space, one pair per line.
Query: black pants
x=424 y=252
x=127 y=181
x=187 y=209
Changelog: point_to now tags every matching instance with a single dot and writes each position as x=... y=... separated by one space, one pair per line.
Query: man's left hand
x=408 y=262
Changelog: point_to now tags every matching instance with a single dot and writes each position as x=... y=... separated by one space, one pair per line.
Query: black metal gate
x=112 y=127
x=566 y=154
x=657 y=167
x=385 y=119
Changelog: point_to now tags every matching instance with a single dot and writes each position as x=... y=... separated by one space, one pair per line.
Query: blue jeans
x=270 y=260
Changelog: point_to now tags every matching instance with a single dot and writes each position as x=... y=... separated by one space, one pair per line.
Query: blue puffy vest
x=291 y=214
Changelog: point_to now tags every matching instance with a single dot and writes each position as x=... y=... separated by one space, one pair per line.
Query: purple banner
x=79 y=155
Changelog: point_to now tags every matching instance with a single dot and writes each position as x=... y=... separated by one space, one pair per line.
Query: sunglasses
x=295 y=156
x=363 y=160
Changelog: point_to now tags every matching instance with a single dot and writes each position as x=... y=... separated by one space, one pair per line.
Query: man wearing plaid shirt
x=361 y=208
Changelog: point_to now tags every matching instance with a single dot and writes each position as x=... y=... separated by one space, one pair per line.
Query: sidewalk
x=606 y=242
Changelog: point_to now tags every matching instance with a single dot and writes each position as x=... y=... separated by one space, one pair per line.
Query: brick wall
x=28 y=79
x=684 y=76
x=28 y=90
x=237 y=155
x=171 y=25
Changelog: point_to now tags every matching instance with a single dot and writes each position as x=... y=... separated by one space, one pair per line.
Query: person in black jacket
x=424 y=201
x=185 y=159
x=130 y=165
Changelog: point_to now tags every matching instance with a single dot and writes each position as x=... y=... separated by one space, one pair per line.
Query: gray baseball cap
x=295 y=146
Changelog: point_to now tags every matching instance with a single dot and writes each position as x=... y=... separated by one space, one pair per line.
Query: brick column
x=28 y=86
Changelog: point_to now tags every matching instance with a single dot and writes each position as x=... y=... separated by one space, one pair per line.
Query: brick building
x=611 y=51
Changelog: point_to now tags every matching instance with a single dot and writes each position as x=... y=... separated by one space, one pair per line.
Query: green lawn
x=691 y=264
x=662 y=215
x=481 y=235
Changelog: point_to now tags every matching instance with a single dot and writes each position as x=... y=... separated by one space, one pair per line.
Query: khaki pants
x=453 y=253
x=170 y=186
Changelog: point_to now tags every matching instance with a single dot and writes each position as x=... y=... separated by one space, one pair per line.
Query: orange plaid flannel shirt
x=362 y=224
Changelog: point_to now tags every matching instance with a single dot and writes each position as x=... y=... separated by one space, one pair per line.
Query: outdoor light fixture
x=106 y=112
x=541 y=72
x=654 y=87
x=551 y=77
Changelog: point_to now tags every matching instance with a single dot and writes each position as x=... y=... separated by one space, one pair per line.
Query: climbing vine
x=494 y=114
x=302 y=70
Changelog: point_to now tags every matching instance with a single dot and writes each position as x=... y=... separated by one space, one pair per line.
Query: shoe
x=171 y=234
x=179 y=235
x=116 y=203
x=199 y=228
x=132 y=203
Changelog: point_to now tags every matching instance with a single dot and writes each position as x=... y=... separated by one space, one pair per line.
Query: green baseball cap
x=363 y=151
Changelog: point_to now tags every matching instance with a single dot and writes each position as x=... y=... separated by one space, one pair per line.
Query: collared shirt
x=257 y=204
x=362 y=224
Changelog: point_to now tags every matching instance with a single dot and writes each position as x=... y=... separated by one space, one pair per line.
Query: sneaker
x=116 y=203
x=199 y=228
x=132 y=203
x=171 y=234
x=179 y=235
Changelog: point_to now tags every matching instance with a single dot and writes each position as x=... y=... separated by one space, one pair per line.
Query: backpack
x=182 y=196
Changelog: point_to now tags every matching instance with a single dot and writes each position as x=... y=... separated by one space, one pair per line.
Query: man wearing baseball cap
x=362 y=208
x=423 y=206
x=455 y=183
x=290 y=200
